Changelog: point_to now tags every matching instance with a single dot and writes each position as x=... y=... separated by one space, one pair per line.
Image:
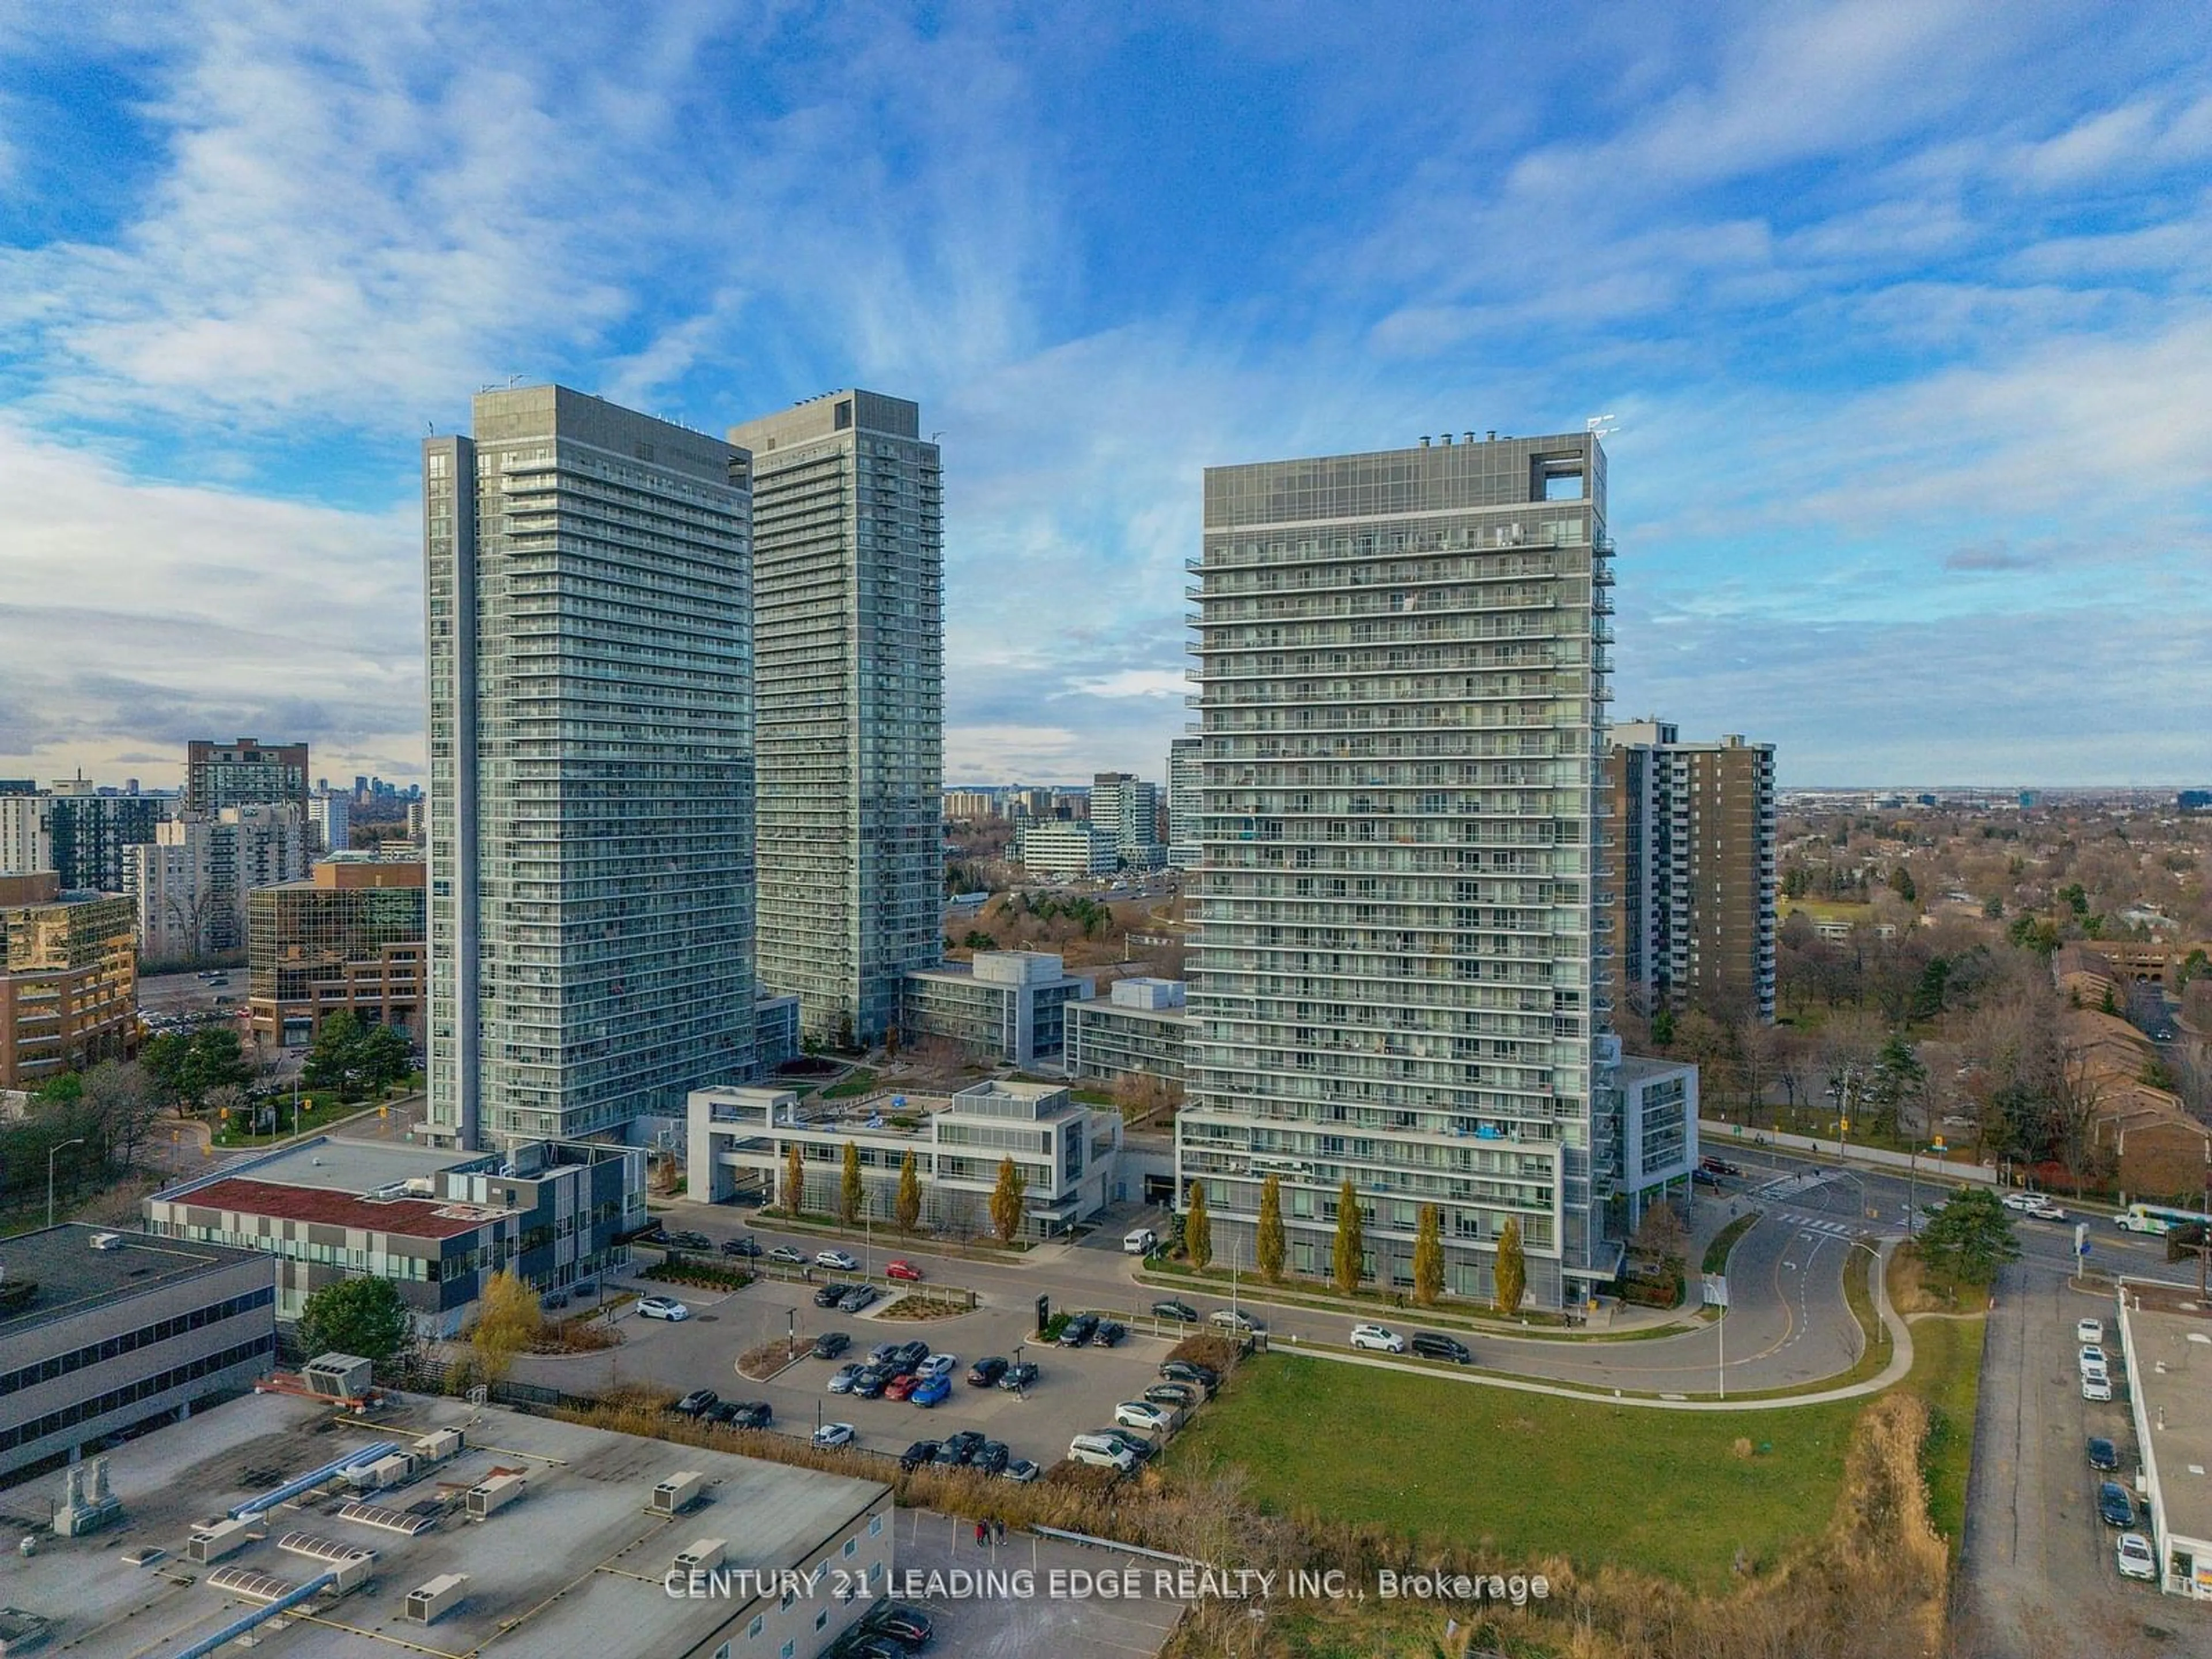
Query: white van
x=1097 y=1450
x=1143 y=1242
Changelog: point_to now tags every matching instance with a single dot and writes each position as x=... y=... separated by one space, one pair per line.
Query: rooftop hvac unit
x=702 y=1555
x=494 y=1495
x=213 y=1543
x=383 y=1472
x=428 y=1603
x=678 y=1492
x=106 y=1240
x=340 y=1376
x=437 y=1448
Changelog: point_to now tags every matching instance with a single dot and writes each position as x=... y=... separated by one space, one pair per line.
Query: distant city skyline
x=1898 y=321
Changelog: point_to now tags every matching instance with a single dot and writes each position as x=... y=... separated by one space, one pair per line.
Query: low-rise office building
x=69 y=979
x=1007 y=1005
x=101 y=1331
x=1658 y=1130
x=437 y=1224
x=1066 y=850
x=2165 y=1335
x=1067 y=1152
x=1140 y=1025
x=483 y=1531
x=348 y=937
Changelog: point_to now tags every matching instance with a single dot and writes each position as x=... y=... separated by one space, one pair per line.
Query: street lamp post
x=51 y=1152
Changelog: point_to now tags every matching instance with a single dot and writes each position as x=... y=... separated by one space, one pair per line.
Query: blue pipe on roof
x=269 y=1500
x=238 y=1627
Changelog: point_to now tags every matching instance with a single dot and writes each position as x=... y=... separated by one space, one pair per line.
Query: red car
x=900 y=1387
x=905 y=1270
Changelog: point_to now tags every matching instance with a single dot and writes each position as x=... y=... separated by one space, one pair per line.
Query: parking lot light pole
x=51 y=1152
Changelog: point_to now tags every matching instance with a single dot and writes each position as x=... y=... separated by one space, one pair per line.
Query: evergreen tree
x=1198 y=1229
x=1429 y=1257
x=1349 y=1255
x=1511 y=1271
x=1269 y=1243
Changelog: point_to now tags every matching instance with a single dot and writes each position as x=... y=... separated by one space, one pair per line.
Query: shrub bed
x=705 y=1275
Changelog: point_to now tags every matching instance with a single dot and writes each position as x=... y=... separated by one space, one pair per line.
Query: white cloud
x=1131 y=683
x=134 y=615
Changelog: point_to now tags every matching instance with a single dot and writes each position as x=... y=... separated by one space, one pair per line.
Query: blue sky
x=1901 y=311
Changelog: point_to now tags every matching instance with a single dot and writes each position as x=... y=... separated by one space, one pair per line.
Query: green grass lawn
x=1530 y=1475
x=1947 y=1369
x=1533 y=1475
x=857 y=1082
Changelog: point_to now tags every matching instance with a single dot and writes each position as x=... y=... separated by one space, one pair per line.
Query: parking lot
x=1078 y=1388
x=2038 y=1568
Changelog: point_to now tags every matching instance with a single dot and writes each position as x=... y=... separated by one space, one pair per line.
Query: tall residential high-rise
x=1694 y=825
x=331 y=818
x=1128 y=808
x=1186 y=778
x=1398 y=976
x=591 y=845
x=849 y=612
x=80 y=834
x=245 y=773
x=190 y=883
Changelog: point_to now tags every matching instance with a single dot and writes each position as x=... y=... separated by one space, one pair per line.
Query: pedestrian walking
x=999 y=1531
x=980 y=1530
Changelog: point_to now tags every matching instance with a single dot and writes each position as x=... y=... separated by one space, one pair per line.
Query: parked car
x=911 y=1354
x=1435 y=1344
x=833 y=1434
x=992 y=1457
x=902 y=1623
x=1189 y=1370
x=686 y=1240
x=1170 y=1308
x=697 y=1403
x=662 y=1307
x=725 y=1414
x=837 y=1260
x=2114 y=1507
x=901 y=1387
x=553 y=1299
x=2092 y=1354
x=752 y=1415
x=744 y=1245
x=2104 y=1454
x=939 y=1364
x=1706 y=1178
x=985 y=1371
x=789 y=1253
x=883 y=1352
x=2089 y=1333
x=1022 y=1469
x=931 y=1390
x=1381 y=1339
x=856 y=1297
x=1102 y=1452
x=966 y=1443
x=1076 y=1332
x=872 y=1380
x=1110 y=1333
x=1021 y=1376
x=2135 y=1559
x=1719 y=1166
x=1139 y=1447
x=915 y=1456
x=1182 y=1396
x=1143 y=1414
x=830 y=1344
x=829 y=1295
x=902 y=1270
x=2096 y=1386
x=1234 y=1319
x=841 y=1379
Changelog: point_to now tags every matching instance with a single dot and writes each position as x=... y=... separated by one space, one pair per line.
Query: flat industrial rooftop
x=73 y=1278
x=572 y=1570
